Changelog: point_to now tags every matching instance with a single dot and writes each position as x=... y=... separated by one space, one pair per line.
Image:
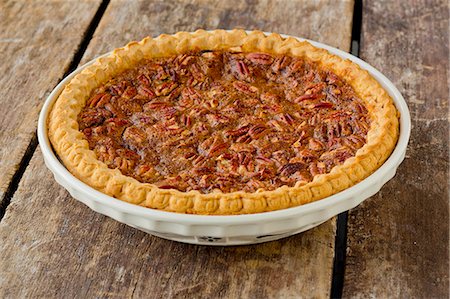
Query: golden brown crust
x=74 y=151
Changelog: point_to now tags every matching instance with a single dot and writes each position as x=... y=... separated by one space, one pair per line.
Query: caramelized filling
x=224 y=120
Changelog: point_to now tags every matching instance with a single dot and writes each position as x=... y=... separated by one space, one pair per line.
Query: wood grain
x=53 y=246
x=38 y=40
x=327 y=21
x=398 y=240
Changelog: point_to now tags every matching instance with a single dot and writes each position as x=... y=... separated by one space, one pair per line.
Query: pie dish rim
x=203 y=207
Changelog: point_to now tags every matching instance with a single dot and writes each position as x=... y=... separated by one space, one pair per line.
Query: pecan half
x=291 y=168
x=323 y=105
x=242 y=69
x=260 y=58
x=146 y=92
x=238 y=132
x=257 y=131
x=155 y=106
x=306 y=97
x=99 y=100
x=245 y=87
x=165 y=88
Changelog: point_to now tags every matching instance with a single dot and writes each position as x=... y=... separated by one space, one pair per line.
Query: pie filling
x=222 y=120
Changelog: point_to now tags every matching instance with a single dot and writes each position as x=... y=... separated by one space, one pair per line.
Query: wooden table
x=396 y=244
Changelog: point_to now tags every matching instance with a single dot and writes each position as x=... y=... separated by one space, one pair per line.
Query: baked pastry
x=222 y=122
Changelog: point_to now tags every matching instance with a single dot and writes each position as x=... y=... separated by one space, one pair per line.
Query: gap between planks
x=31 y=148
x=340 y=245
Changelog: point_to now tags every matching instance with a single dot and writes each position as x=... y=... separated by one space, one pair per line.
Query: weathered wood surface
x=328 y=21
x=38 y=40
x=53 y=246
x=398 y=240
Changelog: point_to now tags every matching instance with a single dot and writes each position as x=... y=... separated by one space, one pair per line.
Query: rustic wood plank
x=38 y=40
x=398 y=240
x=53 y=246
x=322 y=20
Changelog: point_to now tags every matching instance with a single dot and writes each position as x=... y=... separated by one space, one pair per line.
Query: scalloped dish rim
x=392 y=162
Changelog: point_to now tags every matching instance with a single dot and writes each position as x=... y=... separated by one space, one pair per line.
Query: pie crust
x=73 y=149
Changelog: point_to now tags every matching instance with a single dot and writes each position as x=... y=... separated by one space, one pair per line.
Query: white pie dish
x=238 y=229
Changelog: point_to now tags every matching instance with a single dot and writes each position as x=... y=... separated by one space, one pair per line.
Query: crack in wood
x=14 y=184
x=340 y=246
x=87 y=37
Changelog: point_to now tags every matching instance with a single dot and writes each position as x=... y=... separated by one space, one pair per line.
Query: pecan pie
x=222 y=123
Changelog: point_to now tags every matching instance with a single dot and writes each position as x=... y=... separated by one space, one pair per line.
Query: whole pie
x=222 y=122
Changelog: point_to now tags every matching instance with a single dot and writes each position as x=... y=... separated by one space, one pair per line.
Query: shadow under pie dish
x=222 y=123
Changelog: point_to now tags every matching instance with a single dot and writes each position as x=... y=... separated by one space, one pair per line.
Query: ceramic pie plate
x=235 y=229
